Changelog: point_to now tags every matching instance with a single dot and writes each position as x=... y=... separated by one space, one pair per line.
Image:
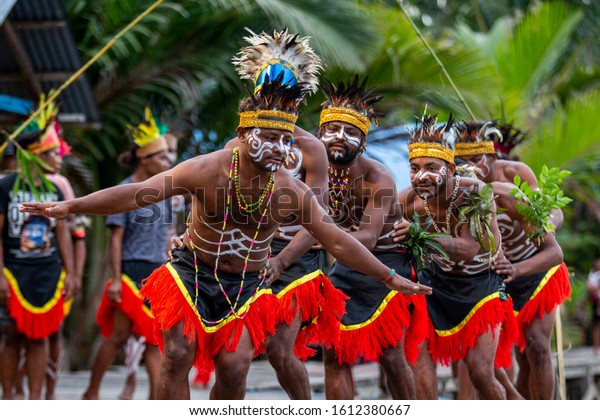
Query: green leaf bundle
x=541 y=201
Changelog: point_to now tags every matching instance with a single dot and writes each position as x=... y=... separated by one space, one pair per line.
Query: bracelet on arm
x=390 y=277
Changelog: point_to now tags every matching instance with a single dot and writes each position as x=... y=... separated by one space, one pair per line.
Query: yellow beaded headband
x=478 y=148
x=426 y=149
x=278 y=120
x=348 y=115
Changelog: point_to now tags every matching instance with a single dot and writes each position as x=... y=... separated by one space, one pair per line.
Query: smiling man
x=363 y=202
x=468 y=308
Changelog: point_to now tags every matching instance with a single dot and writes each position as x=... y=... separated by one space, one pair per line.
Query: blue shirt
x=146 y=228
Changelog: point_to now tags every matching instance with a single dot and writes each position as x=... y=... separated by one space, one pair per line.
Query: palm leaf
x=537 y=46
x=567 y=136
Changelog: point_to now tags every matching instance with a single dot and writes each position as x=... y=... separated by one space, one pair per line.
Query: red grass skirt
x=552 y=290
x=42 y=319
x=418 y=329
x=172 y=303
x=320 y=307
x=132 y=305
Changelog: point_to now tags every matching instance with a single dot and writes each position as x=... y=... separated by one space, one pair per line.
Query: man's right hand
x=56 y=210
x=176 y=243
x=4 y=289
x=400 y=230
x=407 y=287
x=114 y=291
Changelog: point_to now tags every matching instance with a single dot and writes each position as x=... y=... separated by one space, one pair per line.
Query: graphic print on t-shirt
x=35 y=234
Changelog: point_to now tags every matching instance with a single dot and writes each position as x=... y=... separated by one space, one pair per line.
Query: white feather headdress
x=281 y=48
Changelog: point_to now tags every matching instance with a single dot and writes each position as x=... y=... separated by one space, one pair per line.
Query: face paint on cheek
x=257 y=147
x=439 y=178
x=484 y=165
x=353 y=140
x=328 y=137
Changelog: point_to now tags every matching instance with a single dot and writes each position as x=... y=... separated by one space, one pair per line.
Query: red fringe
x=418 y=329
x=202 y=377
x=171 y=307
x=326 y=305
x=555 y=292
x=370 y=340
x=35 y=326
x=131 y=305
x=508 y=337
x=446 y=349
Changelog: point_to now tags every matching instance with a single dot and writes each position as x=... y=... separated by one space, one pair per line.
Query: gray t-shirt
x=145 y=237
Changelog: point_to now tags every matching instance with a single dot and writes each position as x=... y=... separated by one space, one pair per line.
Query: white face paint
x=341 y=135
x=259 y=148
x=484 y=166
x=438 y=177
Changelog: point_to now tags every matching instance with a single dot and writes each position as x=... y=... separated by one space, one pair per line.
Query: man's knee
x=481 y=373
x=118 y=339
x=178 y=355
x=278 y=351
x=537 y=349
x=233 y=372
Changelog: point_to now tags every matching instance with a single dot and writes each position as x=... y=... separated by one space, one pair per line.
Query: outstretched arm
x=119 y=199
x=348 y=250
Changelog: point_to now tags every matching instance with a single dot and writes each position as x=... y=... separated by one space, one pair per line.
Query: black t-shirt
x=26 y=238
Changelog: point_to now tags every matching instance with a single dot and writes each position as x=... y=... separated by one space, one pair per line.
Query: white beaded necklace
x=448 y=211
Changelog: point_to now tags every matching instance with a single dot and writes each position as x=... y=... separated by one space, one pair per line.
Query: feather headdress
x=280 y=54
x=275 y=105
x=429 y=140
x=350 y=102
x=511 y=138
x=148 y=135
x=476 y=138
x=40 y=135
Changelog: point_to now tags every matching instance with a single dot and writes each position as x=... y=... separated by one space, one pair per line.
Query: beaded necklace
x=338 y=187
x=233 y=306
x=448 y=211
x=252 y=207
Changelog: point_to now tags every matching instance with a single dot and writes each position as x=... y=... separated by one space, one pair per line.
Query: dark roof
x=38 y=54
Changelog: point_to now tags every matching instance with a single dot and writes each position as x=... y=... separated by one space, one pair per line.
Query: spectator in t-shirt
x=37 y=263
x=137 y=246
x=593 y=285
x=77 y=227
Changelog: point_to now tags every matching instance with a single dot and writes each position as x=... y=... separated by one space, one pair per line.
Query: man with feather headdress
x=138 y=242
x=536 y=277
x=310 y=308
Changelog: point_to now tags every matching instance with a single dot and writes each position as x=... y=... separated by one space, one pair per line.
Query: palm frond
x=537 y=46
x=568 y=135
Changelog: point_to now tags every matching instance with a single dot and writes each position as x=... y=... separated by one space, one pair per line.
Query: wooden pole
x=562 y=384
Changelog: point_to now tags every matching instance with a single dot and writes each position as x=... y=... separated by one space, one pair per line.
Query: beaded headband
x=479 y=148
x=429 y=149
x=278 y=120
x=475 y=138
x=348 y=115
